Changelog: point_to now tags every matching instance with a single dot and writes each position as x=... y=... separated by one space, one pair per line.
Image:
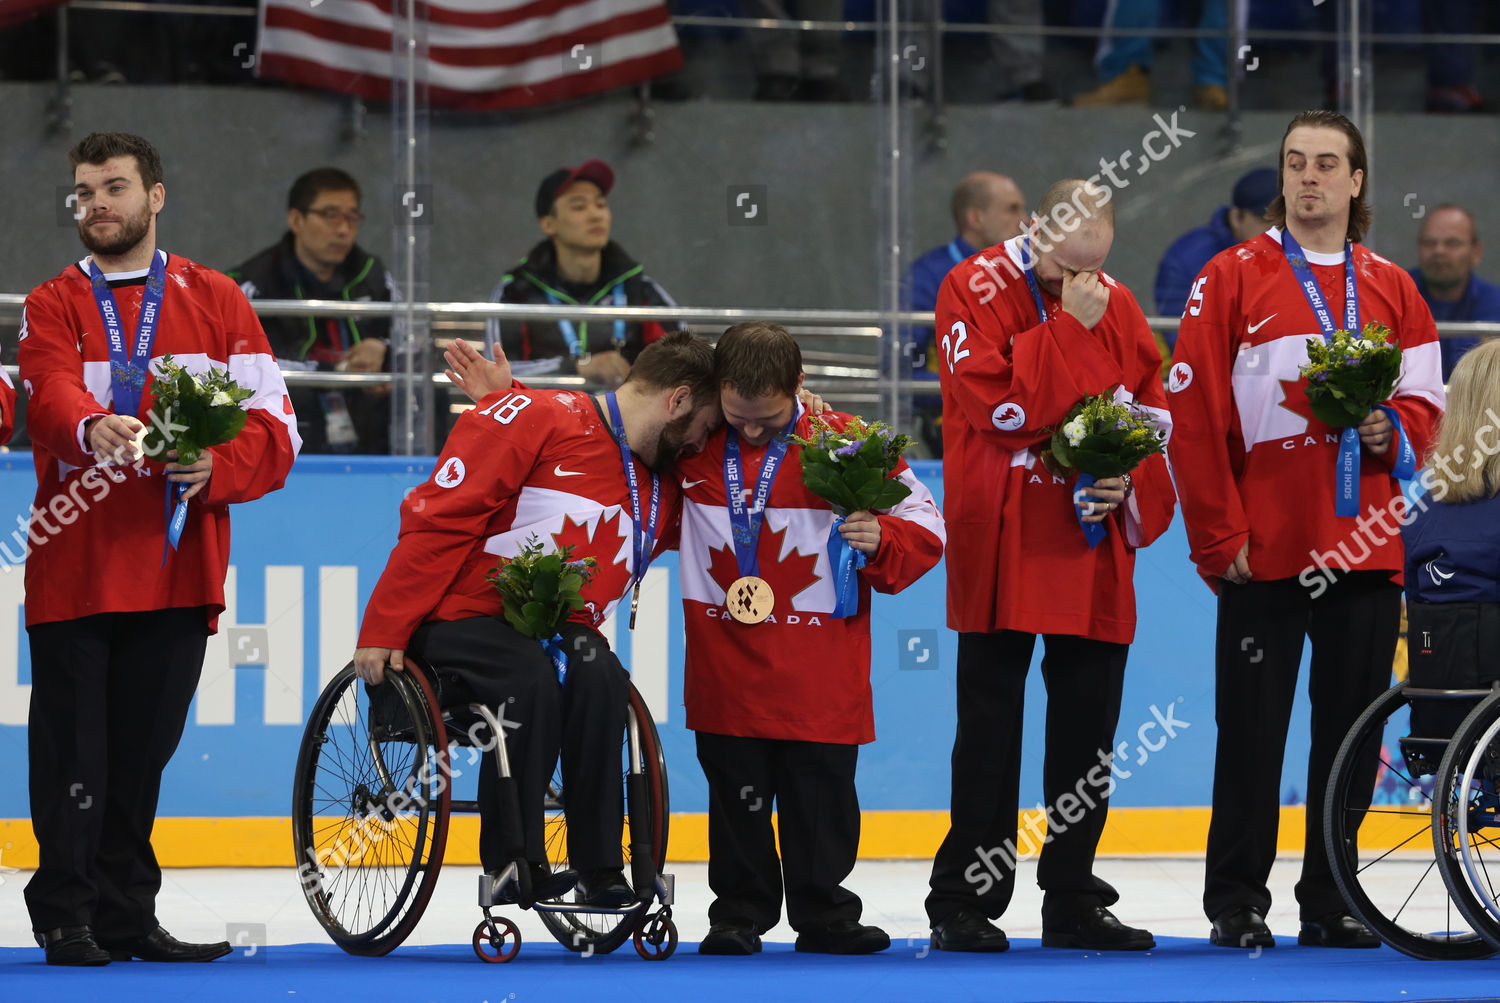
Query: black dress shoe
x=731 y=937
x=159 y=945
x=545 y=884
x=604 y=888
x=1337 y=929
x=968 y=930
x=1097 y=929
x=73 y=945
x=842 y=936
x=1241 y=926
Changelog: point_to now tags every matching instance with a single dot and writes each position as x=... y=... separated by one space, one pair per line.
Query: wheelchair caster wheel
x=656 y=938
x=490 y=944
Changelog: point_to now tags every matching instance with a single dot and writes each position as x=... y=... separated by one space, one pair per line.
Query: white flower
x=1074 y=431
x=221 y=398
x=1366 y=344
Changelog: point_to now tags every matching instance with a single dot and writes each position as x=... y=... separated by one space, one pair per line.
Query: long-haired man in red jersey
x=1287 y=517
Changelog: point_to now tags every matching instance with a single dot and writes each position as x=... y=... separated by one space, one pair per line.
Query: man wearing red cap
x=579 y=264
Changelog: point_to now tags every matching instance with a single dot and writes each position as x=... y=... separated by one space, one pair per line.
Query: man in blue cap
x=1232 y=224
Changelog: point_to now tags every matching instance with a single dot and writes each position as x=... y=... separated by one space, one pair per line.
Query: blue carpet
x=1180 y=969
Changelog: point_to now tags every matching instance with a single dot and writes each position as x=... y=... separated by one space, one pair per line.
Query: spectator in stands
x=793 y=65
x=987 y=209
x=578 y=263
x=1448 y=251
x=317 y=258
x=1124 y=64
x=1241 y=220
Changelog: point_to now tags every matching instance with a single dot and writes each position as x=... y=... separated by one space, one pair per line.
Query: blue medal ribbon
x=579 y=346
x=1029 y=267
x=128 y=366
x=1346 y=467
x=954 y=252
x=745 y=521
x=643 y=542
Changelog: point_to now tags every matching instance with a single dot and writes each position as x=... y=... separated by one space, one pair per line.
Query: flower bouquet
x=1348 y=376
x=189 y=412
x=850 y=469
x=540 y=591
x=1101 y=437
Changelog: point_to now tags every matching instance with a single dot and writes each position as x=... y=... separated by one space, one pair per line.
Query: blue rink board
x=1179 y=969
x=342 y=513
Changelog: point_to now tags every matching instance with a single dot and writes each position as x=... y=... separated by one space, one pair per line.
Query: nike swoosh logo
x=1256 y=327
x=560 y=472
x=689 y=485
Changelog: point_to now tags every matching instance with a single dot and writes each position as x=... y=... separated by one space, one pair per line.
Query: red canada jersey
x=98 y=532
x=1020 y=560
x=1251 y=460
x=800 y=674
x=523 y=463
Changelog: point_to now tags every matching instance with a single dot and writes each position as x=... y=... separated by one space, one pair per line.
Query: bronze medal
x=749 y=599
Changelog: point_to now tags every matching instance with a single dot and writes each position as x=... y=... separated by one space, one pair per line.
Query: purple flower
x=1320 y=377
x=848 y=450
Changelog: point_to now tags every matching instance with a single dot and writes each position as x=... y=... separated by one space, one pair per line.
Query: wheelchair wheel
x=1466 y=819
x=1382 y=853
x=646 y=824
x=370 y=808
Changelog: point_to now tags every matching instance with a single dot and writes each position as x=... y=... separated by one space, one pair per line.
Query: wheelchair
x=371 y=802
x=1411 y=823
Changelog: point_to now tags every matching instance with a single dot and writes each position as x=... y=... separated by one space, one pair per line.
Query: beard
x=671 y=443
x=132 y=230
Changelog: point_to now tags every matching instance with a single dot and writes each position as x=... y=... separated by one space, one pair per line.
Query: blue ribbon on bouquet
x=845 y=563
x=553 y=646
x=1093 y=532
x=176 y=517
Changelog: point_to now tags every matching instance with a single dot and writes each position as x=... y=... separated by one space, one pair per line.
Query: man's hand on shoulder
x=472 y=373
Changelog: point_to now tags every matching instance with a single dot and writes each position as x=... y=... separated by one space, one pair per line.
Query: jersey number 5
x=1195 y=298
x=953 y=344
x=506 y=408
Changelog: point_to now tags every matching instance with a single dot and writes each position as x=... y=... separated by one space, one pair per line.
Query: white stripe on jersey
x=707 y=527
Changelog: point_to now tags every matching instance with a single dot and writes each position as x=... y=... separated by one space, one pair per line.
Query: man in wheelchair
x=567 y=468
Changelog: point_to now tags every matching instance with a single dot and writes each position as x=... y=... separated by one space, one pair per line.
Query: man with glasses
x=317 y=258
x=1448 y=251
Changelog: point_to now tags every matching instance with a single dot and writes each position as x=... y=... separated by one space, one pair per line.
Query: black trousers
x=975 y=866
x=811 y=785
x=109 y=698
x=1353 y=627
x=584 y=719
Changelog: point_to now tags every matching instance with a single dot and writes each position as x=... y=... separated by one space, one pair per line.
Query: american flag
x=481 y=55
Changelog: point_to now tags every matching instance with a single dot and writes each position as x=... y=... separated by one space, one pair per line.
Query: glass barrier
x=816 y=161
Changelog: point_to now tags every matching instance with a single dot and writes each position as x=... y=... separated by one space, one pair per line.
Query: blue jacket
x=1182 y=263
x=923 y=281
x=1453 y=552
x=1480 y=301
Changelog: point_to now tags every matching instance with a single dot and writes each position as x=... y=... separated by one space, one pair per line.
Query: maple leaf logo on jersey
x=611 y=577
x=788 y=577
x=1294 y=399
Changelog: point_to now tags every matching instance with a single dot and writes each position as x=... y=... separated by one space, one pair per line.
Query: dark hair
x=971 y=193
x=680 y=359
x=307 y=188
x=757 y=358
x=97 y=147
x=1359 y=211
